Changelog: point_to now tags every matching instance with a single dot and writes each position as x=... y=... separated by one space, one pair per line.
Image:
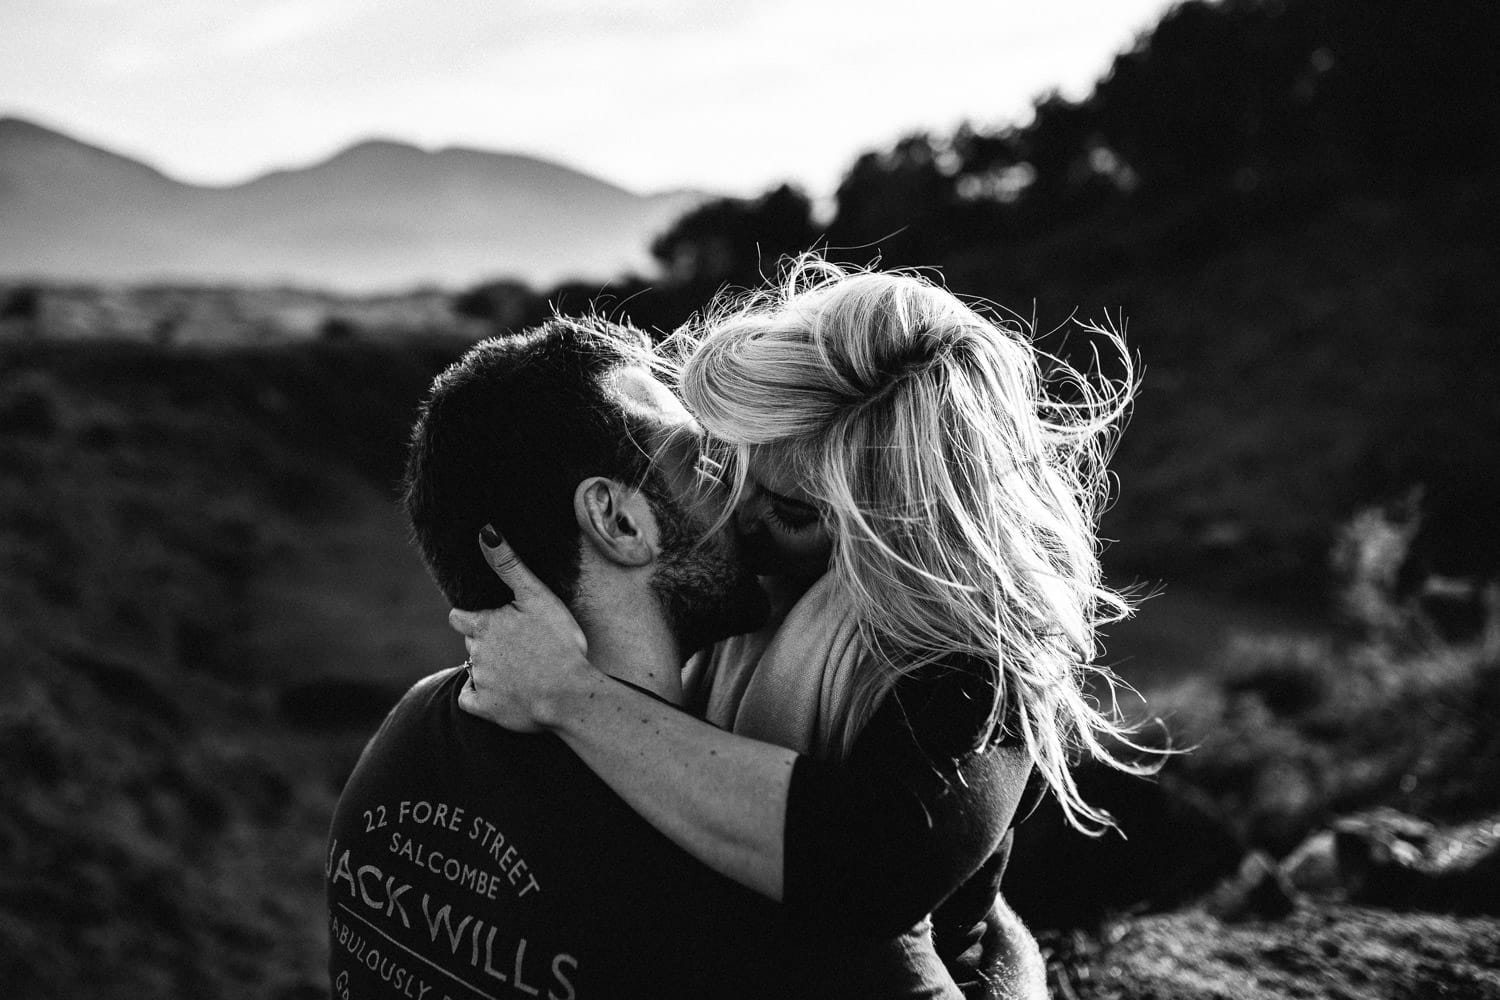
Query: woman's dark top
x=915 y=821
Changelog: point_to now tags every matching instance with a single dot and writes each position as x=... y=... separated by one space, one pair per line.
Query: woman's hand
x=523 y=655
x=719 y=796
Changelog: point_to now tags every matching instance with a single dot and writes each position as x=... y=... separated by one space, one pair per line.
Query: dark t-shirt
x=914 y=822
x=470 y=863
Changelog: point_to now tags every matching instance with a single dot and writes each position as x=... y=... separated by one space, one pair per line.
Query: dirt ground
x=1332 y=951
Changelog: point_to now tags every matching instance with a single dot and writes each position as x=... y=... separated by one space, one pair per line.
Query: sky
x=730 y=98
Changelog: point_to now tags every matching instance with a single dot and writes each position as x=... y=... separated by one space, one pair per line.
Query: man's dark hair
x=504 y=437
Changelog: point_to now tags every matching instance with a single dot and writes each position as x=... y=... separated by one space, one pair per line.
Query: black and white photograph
x=669 y=500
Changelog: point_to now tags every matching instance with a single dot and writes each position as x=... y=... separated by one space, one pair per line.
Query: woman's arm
x=873 y=844
x=720 y=797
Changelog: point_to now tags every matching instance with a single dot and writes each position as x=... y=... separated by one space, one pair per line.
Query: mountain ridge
x=378 y=214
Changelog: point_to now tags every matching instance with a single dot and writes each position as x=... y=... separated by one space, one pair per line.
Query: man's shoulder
x=428 y=722
x=428 y=685
x=411 y=721
x=424 y=693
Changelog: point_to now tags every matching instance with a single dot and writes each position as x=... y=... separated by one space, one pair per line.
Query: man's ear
x=616 y=521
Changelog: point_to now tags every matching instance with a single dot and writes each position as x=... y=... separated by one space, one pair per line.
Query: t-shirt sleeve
x=876 y=842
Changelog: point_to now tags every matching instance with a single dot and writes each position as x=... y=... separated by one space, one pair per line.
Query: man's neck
x=640 y=652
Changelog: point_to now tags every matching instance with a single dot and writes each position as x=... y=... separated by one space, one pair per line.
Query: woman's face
x=783 y=532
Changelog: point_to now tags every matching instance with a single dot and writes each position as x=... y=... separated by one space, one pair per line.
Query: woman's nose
x=749 y=514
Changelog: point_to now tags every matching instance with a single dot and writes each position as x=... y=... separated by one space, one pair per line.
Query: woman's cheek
x=772 y=550
x=807 y=549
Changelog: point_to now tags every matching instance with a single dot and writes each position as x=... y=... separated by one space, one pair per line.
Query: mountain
x=379 y=215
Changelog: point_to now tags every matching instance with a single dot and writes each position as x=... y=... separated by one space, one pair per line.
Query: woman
x=926 y=511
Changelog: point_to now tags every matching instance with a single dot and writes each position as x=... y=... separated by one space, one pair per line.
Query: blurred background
x=236 y=247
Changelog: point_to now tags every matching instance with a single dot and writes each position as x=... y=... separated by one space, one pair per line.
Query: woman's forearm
x=720 y=797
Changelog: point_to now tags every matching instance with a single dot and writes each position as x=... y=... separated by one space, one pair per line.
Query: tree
x=892 y=204
x=734 y=241
x=504 y=304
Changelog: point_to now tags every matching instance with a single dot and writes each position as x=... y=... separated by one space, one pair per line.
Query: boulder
x=1313 y=867
x=1386 y=858
x=1258 y=891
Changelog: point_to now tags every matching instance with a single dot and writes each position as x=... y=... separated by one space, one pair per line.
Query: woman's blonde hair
x=962 y=487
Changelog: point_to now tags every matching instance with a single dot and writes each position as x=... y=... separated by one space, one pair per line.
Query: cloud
x=270 y=25
x=649 y=93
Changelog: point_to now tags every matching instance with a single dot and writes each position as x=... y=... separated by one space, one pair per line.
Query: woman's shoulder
x=931 y=739
x=946 y=707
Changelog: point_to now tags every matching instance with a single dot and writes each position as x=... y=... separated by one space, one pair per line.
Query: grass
x=1299 y=731
x=161 y=819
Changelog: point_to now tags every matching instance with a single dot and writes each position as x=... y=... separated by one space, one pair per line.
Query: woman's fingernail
x=489 y=536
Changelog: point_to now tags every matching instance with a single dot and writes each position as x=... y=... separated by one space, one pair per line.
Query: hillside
x=377 y=216
x=208 y=604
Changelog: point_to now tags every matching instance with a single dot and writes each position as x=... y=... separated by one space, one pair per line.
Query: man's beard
x=706 y=593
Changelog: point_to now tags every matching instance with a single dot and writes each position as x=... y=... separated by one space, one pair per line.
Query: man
x=468 y=862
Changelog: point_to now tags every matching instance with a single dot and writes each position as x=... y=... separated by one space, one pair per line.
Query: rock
x=1314 y=866
x=1258 y=891
x=1387 y=858
x=1322 y=951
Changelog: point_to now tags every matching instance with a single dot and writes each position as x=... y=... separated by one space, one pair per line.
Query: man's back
x=468 y=862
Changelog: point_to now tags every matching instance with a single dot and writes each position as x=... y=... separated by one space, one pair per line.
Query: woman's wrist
x=564 y=706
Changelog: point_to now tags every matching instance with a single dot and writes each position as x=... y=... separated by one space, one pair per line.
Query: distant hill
x=378 y=215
